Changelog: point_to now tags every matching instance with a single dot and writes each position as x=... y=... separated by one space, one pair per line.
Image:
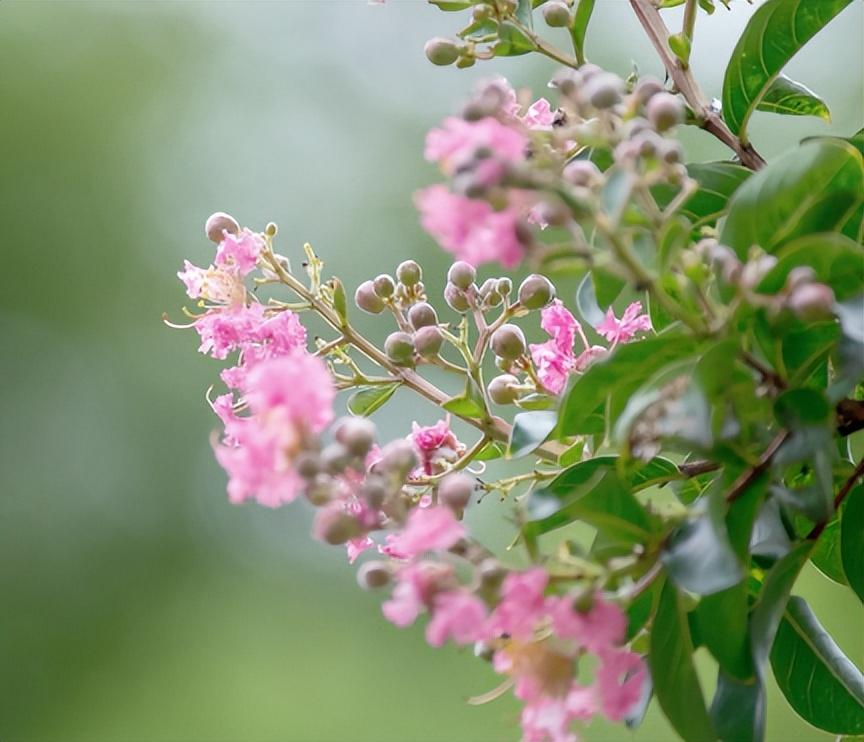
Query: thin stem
x=740 y=485
x=545 y=48
x=838 y=500
x=689 y=20
x=686 y=84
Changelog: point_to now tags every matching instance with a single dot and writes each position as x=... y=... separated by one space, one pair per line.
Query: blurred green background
x=137 y=604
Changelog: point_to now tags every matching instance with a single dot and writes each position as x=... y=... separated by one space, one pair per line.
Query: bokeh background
x=135 y=602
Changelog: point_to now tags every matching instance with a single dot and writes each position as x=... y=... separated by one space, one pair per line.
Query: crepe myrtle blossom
x=427 y=529
x=624 y=330
x=435 y=444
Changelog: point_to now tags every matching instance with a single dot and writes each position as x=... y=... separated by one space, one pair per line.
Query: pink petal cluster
x=470 y=228
x=435 y=444
x=623 y=330
x=458 y=615
x=427 y=529
x=522 y=605
x=457 y=142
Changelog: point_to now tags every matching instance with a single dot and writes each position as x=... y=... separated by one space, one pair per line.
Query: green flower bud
x=504 y=286
x=456 y=299
x=428 y=341
x=556 y=14
x=398 y=457
x=455 y=491
x=336 y=527
x=441 y=51
x=664 y=111
x=218 y=223
x=399 y=347
x=487 y=287
x=320 y=490
x=461 y=274
x=357 y=434
x=493 y=299
x=503 y=389
x=373 y=575
x=408 y=272
x=384 y=286
x=422 y=315
x=307 y=464
x=367 y=300
x=374 y=491
x=670 y=152
x=508 y=342
x=536 y=292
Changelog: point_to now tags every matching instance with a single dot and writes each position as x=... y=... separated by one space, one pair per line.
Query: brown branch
x=841 y=495
x=850 y=416
x=686 y=84
x=695 y=468
x=740 y=485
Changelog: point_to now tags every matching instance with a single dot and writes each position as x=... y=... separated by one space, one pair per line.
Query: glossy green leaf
x=676 y=684
x=774 y=34
x=468 y=404
x=579 y=26
x=339 y=301
x=492 y=450
x=625 y=368
x=814 y=188
x=738 y=709
x=368 y=399
x=530 y=429
x=616 y=192
x=586 y=302
x=826 y=556
x=852 y=540
x=791 y=98
x=819 y=681
x=722 y=618
x=452 y=6
x=717 y=182
x=836 y=260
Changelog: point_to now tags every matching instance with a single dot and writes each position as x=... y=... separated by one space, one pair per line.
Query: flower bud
x=646 y=89
x=503 y=389
x=307 y=464
x=357 y=434
x=456 y=299
x=219 y=223
x=493 y=299
x=556 y=14
x=367 y=300
x=461 y=274
x=455 y=491
x=408 y=272
x=670 y=152
x=508 y=342
x=536 y=292
x=335 y=458
x=374 y=491
x=648 y=143
x=664 y=111
x=428 y=341
x=504 y=286
x=334 y=526
x=812 y=301
x=441 y=51
x=384 y=286
x=568 y=82
x=756 y=269
x=487 y=287
x=422 y=315
x=398 y=457
x=603 y=90
x=399 y=347
x=798 y=276
x=582 y=173
x=373 y=575
x=319 y=491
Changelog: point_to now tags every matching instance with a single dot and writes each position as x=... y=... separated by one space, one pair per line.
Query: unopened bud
x=812 y=301
x=441 y=51
x=755 y=270
x=319 y=491
x=335 y=458
x=456 y=299
x=603 y=90
x=536 y=292
x=373 y=575
x=422 y=315
x=455 y=491
x=374 y=491
x=399 y=347
x=461 y=274
x=428 y=341
x=670 y=152
x=384 y=286
x=503 y=389
x=582 y=173
x=799 y=276
x=556 y=14
x=219 y=223
x=504 y=286
x=307 y=465
x=508 y=342
x=408 y=272
x=398 y=457
x=646 y=89
x=488 y=286
x=357 y=434
x=334 y=526
x=367 y=300
x=664 y=111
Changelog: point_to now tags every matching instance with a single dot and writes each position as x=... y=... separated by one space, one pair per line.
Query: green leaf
x=339 y=303
x=818 y=680
x=814 y=188
x=793 y=99
x=826 y=556
x=512 y=41
x=529 y=430
x=468 y=404
x=738 y=709
x=524 y=13
x=492 y=450
x=369 y=398
x=797 y=408
x=852 y=540
x=579 y=26
x=625 y=368
x=616 y=192
x=680 y=46
x=775 y=32
x=586 y=302
x=717 y=181
x=836 y=260
x=452 y=6
x=722 y=618
x=676 y=684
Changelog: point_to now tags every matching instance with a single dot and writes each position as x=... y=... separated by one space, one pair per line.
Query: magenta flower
x=223 y=331
x=522 y=605
x=427 y=529
x=623 y=330
x=435 y=443
x=554 y=359
x=458 y=615
x=561 y=325
x=238 y=253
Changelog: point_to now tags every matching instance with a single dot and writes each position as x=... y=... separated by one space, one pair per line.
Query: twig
x=740 y=485
x=841 y=495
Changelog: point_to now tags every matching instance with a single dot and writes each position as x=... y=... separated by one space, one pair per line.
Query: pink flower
x=416 y=585
x=212 y=284
x=469 y=228
x=598 y=629
x=456 y=143
x=623 y=330
x=223 y=331
x=539 y=116
x=457 y=615
x=522 y=605
x=356 y=546
x=552 y=364
x=588 y=356
x=435 y=442
x=619 y=682
x=546 y=720
x=557 y=320
x=427 y=529
x=238 y=253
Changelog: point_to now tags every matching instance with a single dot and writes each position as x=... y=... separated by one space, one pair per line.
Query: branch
x=740 y=485
x=850 y=416
x=686 y=84
x=841 y=495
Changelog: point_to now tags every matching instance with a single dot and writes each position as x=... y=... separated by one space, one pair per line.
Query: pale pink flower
x=588 y=356
x=435 y=443
x=223 y=331
x=470 y=228
x=619 y=682
x=238 y=253
x=522 y=604
x=416 y=585
x=213 y=284
x=458 y=615
x=623 y=330
x=561 y=325
x=552 y=364
x=539 y=116
x=546 y=720
x=598 y=629
x=457 y=142
x=427 y=529
x=356 y=546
